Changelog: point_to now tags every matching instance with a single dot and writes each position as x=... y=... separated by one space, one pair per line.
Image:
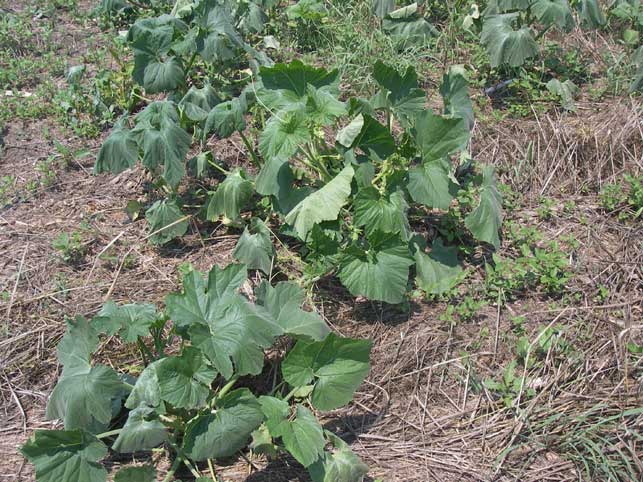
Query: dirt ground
x=417 y=417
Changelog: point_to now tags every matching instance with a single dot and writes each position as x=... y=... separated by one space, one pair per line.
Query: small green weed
x=624 y=198
x=70 y=247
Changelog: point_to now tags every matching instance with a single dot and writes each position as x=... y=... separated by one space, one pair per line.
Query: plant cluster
x=195 y=393
x=624 y=198
x=348 y=202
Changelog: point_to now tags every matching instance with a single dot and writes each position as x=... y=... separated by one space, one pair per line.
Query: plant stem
x=136 y=94
x=192 y=59
x=226 y=388
x=218 y=167
x=110 y=433
x=145 y=351
x=175 y=465
x=212 y=472
x=290 y=394
x=253 y=154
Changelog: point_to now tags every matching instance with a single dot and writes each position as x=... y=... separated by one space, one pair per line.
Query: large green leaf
x=141 y=473
x=378 y=274
x=284 y=133
x=275 y=178
x=485 y=220
x=231 y=196
x=506 y=45
x=184 y=381
x=139 y=433
x=591 y=14
x=384 y=213
x=118 y=152
x=439 y=271
x=226 y=431
x=296 y=76
x=202 y=299
x=400 y=93
x=283 y=302
x=335 y=366
x=234 y=339
x=455 y=95
x=303 y=437
x=321 y=205
x=130 y=320
x=146 y=391
x=166 y=221
x=342 y=465
x=438 y=136
x=226 y=118
x=77 y=346
x=365 y=133
x=554 y=12
x=408 y=28
x=383 y=7
x=197 y=103
x=154 y=67
x=431 y=185
x=84 y=397
x=163 y=142
x=254 y=248
x=66 y=456
x=323 y=107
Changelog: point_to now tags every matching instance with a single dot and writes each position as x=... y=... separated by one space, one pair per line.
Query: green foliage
x=624 y=198
x=346 y=203
x=544 y=265
x=193 y=401
x=359 y=191
x=509 y=28
x=70 y=247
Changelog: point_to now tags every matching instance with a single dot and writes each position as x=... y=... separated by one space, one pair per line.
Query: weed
x=624 y=198
x=7 y=190
x=468 y=308
x=546 y=209
x=70 y=247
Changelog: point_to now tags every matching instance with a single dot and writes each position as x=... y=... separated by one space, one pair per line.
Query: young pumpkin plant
x=511 y=28
x=202 y=43
x=347 y=204
x=193 y=392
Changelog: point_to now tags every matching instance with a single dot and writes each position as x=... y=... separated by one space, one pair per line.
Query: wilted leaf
x=485 y=220
x=166 y=221
x=283 y=302
x=321 y=205
x=231 y=196
x=254 y=248
x=439 y=271
x=138 y=433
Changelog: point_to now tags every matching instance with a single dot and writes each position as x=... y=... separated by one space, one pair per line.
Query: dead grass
x=423 y=413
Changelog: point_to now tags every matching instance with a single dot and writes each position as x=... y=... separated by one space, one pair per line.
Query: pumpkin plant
x=511 y=28
x=194 y=391
x=352 y=199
